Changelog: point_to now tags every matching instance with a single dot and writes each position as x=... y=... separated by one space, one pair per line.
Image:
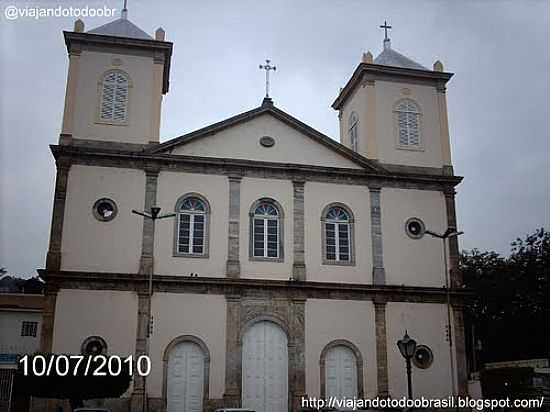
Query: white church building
x=293 y=261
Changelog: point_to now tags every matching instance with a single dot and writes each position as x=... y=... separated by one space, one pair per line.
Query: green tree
x=510 y=310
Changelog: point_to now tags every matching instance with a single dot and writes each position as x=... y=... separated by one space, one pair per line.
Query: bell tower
x=394 y=110
x=116 y=79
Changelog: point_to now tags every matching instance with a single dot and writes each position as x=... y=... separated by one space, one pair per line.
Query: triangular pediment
x=266 y=134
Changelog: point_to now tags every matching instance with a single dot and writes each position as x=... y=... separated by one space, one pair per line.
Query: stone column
x=455 y=275
x=233 y=360
x=381 y=348
x=53 y=259
x=378 y=271
x=145 y=269
x=48 y=318
x=460 y=350
x=296 y=353
x=299 y=265
x=233 y=259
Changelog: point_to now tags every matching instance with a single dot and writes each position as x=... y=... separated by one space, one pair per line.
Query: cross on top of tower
x=267 y=67
x=385 y=27
x=124 y=13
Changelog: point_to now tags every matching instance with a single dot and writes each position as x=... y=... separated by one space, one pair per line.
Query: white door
x=185 y=378
x=265 y=368
x=341 y=373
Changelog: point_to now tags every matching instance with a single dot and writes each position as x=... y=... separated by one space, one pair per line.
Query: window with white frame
x=192 y=221
x=114 y=97
x=29 y=328
x=408 y=123
x=266 y=230
x=353 y=131
x=337 y=246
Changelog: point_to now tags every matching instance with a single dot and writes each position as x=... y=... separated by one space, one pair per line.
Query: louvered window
x=408 y=122
x=353 y=131
x=266 y=231
x=192 y=220
x=337 y=228
x=114 y=97
x=29 y=328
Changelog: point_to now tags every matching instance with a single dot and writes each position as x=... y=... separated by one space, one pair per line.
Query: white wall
x=93 y=63
x=243 y=142
x=171 y=186
x=328 y=320
x=83 y=313
x=177 y=314
x=317 y=196
x=425 y=322
x=412 y=262
x=91 y=245
x=11 y=340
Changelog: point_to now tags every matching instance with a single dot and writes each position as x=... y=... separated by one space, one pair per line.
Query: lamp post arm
x=141 y=214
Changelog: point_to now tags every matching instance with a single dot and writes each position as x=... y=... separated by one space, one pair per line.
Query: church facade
x=290 y=263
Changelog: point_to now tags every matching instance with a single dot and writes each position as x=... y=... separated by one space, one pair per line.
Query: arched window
x=353 y=131
x=408 y=123
x=192 y=226
x=114 y=97
x=266 y=230
x=337 y=235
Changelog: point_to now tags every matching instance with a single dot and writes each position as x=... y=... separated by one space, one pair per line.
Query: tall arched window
x=266 y=230
x=353 y=131
x=408 y=123
x=114 y=97
x=337 y=235
x=192 y=226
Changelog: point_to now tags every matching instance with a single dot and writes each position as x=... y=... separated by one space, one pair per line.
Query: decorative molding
x=378 y=271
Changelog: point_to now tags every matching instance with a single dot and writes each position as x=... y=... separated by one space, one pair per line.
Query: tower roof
x=121 y=28
x=390 y=57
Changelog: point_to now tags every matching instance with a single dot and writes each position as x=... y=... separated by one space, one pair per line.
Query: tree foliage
x=511 y=308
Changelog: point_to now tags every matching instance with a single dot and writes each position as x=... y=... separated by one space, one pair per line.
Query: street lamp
x=407 y=347
x=449 y=233
x=153 y=215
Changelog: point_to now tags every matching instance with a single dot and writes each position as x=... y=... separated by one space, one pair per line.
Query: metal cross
x=385 y=27
x=267 y=67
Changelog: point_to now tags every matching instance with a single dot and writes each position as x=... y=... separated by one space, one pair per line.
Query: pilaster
x=299 y=265
x=455 y=275
x=48 y=318
x=70 y=92
x=460 y=350
x=443 y=125
x=232 y=395
x=381 y=348
x=148 y=234
x=378 y=271
x=233 y=266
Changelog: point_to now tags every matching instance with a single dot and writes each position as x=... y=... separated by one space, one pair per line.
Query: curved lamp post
x=407 y=347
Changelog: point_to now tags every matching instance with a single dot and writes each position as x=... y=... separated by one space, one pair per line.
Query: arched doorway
x=265 y=368
x=341 y=373
x=185 y=376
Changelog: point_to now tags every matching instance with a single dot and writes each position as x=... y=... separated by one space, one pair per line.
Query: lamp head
x=407 y=346
x=155 y=210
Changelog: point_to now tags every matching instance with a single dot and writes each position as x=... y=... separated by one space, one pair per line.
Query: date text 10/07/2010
x=84 y=365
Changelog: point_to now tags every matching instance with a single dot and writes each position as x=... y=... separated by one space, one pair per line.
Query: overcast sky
x=498 y=102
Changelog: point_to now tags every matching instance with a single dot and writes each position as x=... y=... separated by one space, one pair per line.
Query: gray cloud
x=498 y=105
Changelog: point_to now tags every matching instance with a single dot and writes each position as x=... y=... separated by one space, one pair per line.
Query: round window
x=94 y=345
x=267 y=141
x=423 y=357
x=105 y=210
x=415 y=228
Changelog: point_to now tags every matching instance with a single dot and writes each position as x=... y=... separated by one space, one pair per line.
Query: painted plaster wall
x=203 y=316
x=425 y=322
x=83 y=313
x=91 y=245
x=215 y=189
x=328 y=320
x=242 y=142
x=93 y=63
x=412 y=262
x=282 y=192
x=11 y=340
x=387 y=95
x=356 y=198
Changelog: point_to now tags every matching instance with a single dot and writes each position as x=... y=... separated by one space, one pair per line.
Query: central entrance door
x=265 y=368
x=185 y=378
